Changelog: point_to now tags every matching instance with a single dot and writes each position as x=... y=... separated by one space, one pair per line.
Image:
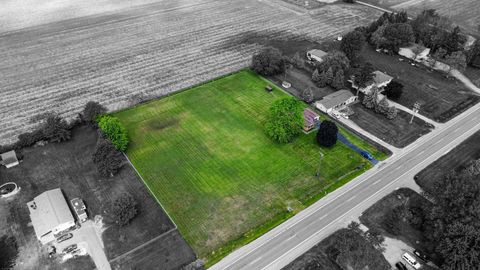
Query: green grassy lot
x=204 y=155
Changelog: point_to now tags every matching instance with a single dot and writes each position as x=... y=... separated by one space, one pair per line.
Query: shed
x=50 y=215
x=9 y=159
x=310 y=119
x=316 y=55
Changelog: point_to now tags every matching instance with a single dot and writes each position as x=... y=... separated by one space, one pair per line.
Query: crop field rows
x=140 y=54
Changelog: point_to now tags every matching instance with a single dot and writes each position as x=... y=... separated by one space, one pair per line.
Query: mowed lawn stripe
x=204 y=154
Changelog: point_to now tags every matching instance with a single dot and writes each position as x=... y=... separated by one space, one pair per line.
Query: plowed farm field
x=124 y=57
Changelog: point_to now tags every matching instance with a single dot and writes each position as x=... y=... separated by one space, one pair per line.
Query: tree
x=397 y=35
x=392 y=112
x=329 y=76
x=382 y=106
x=473 y=168
x=91 y=111
x=297 y=60
x=394 y=90
x=453 y=41
x=377 y=38
x=285 y=120
x=307 y=95
x=370 y=100
x=114 y=131
x=316 y=76
x=335 y=60
x=322 y=81
x=327 y=134
x=8 y=252
x=124 y=209
x=268 y=62
x=473 y=52
x=338 y=80
x=352 y=44
x=439 y=55
x=456 y=60
x=107 y=158
x=364 y=75
x=55 y=129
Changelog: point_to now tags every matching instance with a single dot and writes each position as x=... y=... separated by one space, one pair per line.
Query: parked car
x=421 y=255
x=366 y=155
x=64 y=237
x=411 y=260
x=69 y=249
x=401 y=266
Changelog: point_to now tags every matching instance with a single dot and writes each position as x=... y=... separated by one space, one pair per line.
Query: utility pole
x=416 y=108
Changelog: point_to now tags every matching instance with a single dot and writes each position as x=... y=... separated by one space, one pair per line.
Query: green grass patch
x=205 y=156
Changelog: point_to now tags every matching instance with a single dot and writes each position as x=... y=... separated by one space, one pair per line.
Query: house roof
x=381 y=77
x=317 y=53
x=9 y=158
x=335 y=99
x=310 y=116
x=413 y=46
x=49 y=210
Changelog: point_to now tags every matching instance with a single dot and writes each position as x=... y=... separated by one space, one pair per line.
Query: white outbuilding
x=415 y=52
x=50 y=215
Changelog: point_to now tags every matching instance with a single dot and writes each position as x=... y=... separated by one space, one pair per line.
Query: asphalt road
x=292 y=238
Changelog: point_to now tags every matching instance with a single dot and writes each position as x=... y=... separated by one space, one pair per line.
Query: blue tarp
x=344 y=140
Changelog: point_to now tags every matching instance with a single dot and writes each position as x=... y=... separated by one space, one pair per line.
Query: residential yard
x=441 y=98
x=466 y=13
x=456 y=160
x=397 y=132
x=393 y=216
x=326 y=255
x=204 y=155
x=69 y=166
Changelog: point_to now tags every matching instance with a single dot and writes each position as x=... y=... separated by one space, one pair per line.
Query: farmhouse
x=380 y=80
x=316 y=55
x=415 y=52
x=336 y=101
x=310 y=119
x=9 y=159
x=50 y=215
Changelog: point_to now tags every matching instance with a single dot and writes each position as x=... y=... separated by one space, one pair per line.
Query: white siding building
x=335 y=101
x=50 y=215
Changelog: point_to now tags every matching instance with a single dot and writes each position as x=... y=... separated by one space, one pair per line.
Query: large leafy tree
x=107 y=158
x=454 y=222
x=394 y=90
x=56 y=129
x=327 y=134
x=124 y=209
x=352 y=44
x=285 y=120
x=335 y=60
x=91 y=111
x=114 y=131
x=268 y=62
x=397 y=35
x=364 y=75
